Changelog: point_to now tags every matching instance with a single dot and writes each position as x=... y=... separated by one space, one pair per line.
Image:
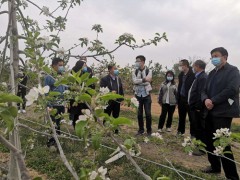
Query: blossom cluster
x=61 y=52
x=104 y=90
x=45 y=11
x=127 y=35
x=42 y=41
x=135 y=102
x=219 y=150
x=101 y=172
x=187 y=142
x=223 y=132
x=157 y=135
x=86 y=115
x=34 y=92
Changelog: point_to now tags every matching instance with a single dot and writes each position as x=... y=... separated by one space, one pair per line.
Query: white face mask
x=137 y=65
x=180 y=68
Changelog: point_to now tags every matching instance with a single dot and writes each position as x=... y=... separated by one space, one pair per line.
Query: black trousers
x=183 y=110
x=198 y=125
x=229 y=167
x=166 y=110
x=144 y=102
x=22 y=94
x=113 y=109
x=60 y=110
x=76 y=111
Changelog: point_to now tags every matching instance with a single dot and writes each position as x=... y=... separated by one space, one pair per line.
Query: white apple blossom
x=42 y=90
x=146 y=140
x=157 y=135
x=61 y=52
x=24 y=3
x=222 y=132
x=4 y=84
x=31 y=97
x=88 y=114
x=187 y=142
x=135 y=102
x=93 y=175
x=45 y=11
x=127 y=35
x=104 y=90
x=219 y=150
x=81 y=118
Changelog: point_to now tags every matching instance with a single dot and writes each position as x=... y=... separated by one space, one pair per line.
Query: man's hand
x=147 y=79
x=209 y=104
x=49 y=109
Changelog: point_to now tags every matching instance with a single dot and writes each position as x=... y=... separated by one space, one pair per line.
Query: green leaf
x=91 y=91
x=85 y=76
x=71 y=79
x=91 y=81
x=96 y=141
x=8 y=119
x=128 y=143
x=99 y=112
x=80 y=128
x=53 y=112
x=13 y=111
x=4 y=97
x=54 y=93
x=121 y=121
x=111 y=96
x=61 y=82
x=85 y=97
x=37 y=178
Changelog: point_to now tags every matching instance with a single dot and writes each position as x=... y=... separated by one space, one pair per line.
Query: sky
x=193 y=27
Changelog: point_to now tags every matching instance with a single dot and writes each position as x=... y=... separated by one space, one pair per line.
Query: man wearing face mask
x=114 y=84
x=185 y=78
x=142 y=77
x=57 y=103
x=221 y=101
x=195 y=102
x=76 y=110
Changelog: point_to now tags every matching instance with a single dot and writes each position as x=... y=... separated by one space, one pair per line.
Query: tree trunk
x=14 y=172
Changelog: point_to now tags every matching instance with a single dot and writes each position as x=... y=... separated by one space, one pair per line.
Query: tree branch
x=4 y=12
x=62 y=155
x=138 y=169
x=18 y=156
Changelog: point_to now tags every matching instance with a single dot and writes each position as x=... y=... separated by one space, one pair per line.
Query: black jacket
x=106 y=82
x=195 y=101
x=225 y=96
x=188 y=83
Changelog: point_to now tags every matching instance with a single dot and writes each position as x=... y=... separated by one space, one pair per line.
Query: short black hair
x=222 y=50
x=200 y=63
x=79 y=64
x=172 y=73
x=141 y=57
x=55 y=61
x=110 y=66
x=185 y=62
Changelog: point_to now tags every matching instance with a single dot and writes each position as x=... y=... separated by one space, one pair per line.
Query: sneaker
x=209 y=170
x=198 y=153
x=169 y=130
x=139 y=133
x=149 y=133
x=180 y=134
x=160 y=130
x=23 y=111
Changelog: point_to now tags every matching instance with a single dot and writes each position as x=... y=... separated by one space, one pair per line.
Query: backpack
x=147 y=71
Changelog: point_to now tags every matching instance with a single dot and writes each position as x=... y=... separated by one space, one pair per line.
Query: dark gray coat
x=226 y=89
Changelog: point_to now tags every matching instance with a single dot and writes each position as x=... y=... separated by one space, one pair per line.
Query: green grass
x=49 y=163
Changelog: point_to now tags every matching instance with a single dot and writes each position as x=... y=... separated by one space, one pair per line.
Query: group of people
x=210 y=101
